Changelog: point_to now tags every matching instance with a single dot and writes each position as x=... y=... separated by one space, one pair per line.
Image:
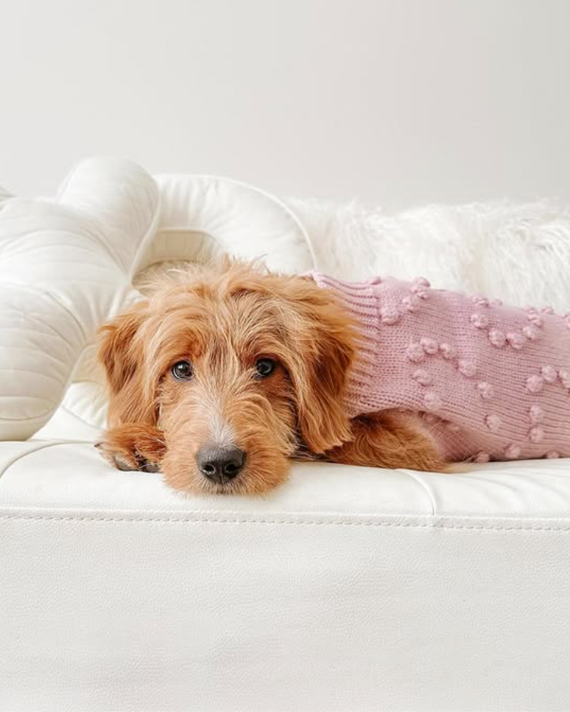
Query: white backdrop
x=393 y=101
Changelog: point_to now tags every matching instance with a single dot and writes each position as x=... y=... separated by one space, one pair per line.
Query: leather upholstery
x=347 y=589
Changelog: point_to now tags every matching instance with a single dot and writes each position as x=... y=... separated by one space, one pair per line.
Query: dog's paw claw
x=150 y=466
x=136 y=463
x=124 y=465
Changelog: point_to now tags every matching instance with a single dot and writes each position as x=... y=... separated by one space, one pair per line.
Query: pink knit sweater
x=493 y=382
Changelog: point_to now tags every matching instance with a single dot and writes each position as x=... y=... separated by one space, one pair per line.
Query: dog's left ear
x=323 y=339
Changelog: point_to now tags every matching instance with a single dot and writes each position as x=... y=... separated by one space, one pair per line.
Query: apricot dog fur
x=235 y=358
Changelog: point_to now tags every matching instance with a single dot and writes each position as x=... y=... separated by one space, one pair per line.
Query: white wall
x=393 y=101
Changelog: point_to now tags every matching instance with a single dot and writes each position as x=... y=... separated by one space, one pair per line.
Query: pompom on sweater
x=492 y=382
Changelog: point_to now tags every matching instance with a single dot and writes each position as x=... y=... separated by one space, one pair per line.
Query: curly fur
x=223 y=319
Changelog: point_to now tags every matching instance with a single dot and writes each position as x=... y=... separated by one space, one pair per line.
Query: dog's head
x=238 y=368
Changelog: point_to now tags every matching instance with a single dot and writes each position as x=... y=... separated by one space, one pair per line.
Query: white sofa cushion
x=69 y=475
x=348 y=589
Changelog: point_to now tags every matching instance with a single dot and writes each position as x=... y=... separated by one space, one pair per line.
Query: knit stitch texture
x=491 y=381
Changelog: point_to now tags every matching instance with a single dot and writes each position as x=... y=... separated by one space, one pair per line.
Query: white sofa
x=347 y=588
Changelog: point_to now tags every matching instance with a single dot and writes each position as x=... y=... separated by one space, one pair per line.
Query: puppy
x=225 y=373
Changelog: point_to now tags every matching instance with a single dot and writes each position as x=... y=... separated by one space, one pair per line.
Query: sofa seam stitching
x=202 y=520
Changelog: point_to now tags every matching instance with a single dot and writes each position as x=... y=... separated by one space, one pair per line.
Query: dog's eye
x=182 y=370
x=264 y=367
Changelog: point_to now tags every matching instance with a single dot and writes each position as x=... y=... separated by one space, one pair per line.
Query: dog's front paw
x=126 y=461
x=133 y=447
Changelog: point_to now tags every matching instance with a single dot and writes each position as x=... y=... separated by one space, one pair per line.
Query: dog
x=227 y=372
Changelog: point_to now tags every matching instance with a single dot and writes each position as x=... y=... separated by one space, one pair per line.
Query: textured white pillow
x=64 y=266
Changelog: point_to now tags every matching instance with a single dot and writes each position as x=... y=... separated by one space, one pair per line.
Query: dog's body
x=491 y=381
x=226 y=373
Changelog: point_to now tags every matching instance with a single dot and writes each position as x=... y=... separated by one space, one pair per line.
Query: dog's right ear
x=322 y=348
x=121 y=354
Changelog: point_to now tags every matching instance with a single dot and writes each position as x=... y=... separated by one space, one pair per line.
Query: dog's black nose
x=220 y=464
